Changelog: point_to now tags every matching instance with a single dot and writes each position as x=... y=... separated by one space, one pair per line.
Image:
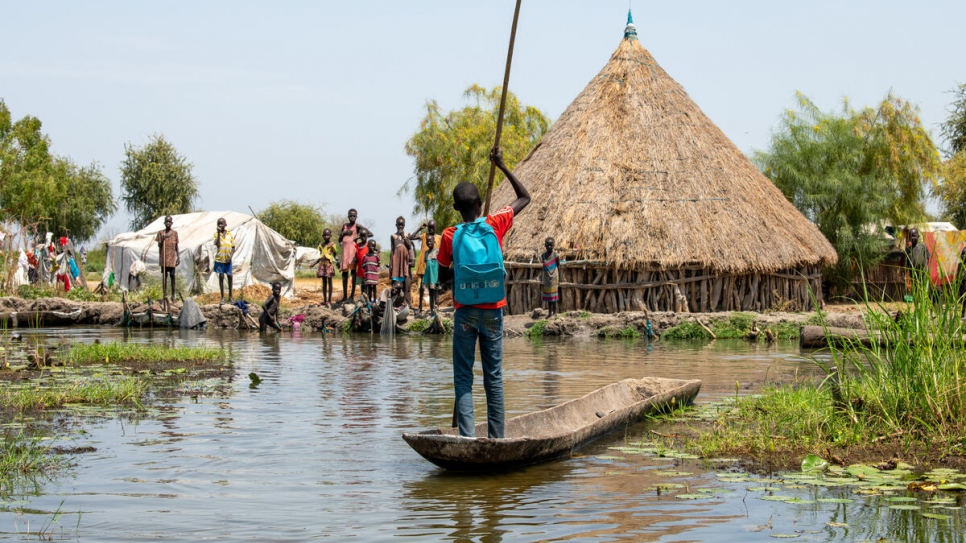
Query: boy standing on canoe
x=478 y=276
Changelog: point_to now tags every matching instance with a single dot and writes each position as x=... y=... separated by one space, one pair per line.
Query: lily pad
x=952 y=486
x=834 y=500
x=673 y=473
x=691 y=496
x=937 y=517
x=905 y=507
x=814 y=462
x=785 y=536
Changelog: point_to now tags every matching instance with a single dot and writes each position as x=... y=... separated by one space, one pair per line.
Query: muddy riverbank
x=18 y=312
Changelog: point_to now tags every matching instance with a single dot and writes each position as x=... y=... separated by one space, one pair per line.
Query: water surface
x=314 y=452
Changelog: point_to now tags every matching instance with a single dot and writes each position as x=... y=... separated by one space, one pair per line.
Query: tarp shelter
x=262 y=255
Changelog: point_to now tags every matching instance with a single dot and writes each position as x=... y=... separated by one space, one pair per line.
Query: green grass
x=118 y=353
x=909 y=389
x=23 y=457
x=421 y=325
x=736 y=326
x=111 y=391
x=537 y=329
x=685 y=330
x=96 y=259
x=627 y=332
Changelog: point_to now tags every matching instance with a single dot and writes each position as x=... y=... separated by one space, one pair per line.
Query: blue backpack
x=478 y=273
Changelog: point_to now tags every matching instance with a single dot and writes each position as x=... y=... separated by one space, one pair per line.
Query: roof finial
x=630 y=31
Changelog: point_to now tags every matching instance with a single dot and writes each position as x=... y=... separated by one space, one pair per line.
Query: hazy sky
x=314 y=100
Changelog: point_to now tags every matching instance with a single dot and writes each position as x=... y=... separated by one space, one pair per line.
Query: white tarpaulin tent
x=262 y=255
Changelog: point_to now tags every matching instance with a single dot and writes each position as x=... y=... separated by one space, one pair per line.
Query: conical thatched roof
x=634 y=174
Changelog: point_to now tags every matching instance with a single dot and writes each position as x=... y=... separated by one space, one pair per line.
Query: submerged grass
x=116 y=390
x=23 y=457
x=905 y=389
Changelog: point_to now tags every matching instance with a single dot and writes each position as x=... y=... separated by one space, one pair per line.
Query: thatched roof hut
x=642 y=193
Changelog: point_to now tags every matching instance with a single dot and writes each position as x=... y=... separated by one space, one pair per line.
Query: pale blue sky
x=314 y=101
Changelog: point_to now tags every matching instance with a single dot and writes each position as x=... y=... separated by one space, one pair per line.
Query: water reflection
x=314 y=451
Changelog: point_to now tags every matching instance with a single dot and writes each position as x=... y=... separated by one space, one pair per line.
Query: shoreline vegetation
x=899 y=400
x=40 y=382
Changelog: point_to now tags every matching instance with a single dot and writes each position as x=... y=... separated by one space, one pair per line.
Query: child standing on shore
x=361 y=249
x=370 y=268
x=550 y=278
x=430 y=277
x=326 y=271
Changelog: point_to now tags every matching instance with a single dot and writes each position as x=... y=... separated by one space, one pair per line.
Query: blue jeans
x=470 y=323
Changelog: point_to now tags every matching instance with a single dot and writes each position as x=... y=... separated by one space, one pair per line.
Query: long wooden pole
x=499 y=119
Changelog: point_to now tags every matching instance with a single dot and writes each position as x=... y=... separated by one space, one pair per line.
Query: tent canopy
x=262 y=255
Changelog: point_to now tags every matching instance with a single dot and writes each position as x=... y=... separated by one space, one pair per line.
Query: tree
x=88 y=197
x=455 y=146
x=156 y=181
x=27 y=191
x=853 y=170
x=952 y=190
x=954 y=129
x=40 y=190
x=301 y=223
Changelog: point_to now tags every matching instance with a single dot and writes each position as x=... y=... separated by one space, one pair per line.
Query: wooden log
x=705 y=299
x=816 y=337
x=717 y=284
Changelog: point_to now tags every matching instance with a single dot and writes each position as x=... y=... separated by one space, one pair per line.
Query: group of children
x=360 y=262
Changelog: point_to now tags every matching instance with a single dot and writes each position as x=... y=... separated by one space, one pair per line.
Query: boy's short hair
x=276 y=284
x=465 y=196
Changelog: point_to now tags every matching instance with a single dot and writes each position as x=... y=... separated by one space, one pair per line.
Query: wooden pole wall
x=601 y=289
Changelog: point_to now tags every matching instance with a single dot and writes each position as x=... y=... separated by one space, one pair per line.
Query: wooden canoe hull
x=556 y=432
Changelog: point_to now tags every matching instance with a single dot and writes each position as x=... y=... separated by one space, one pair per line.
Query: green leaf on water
x=786 y=536
x=692 y=496
x=814 y=462
x=901 y=499
x=935 y=516
x=834 y=500
x=952 y=486
x=905 y=507
x=673 y=473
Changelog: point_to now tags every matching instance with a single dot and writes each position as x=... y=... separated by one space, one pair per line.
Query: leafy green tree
x=952 y=190
x=301 y=223
x=454 y=146
x=156 y=181
x=88 y=197
x=852 y=170
x=40 y=190
x=27 y=190
x=954 y=129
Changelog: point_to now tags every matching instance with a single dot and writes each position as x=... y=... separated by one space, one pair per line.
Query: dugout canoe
x=555 y=432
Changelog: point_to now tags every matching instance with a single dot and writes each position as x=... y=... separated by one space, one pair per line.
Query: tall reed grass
x=904 y=387
x=911 y=381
